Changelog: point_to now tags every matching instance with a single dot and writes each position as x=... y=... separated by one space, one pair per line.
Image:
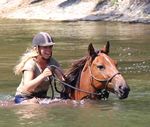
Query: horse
x=95 y=76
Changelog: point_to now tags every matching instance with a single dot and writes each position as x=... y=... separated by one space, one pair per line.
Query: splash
x=6 y=100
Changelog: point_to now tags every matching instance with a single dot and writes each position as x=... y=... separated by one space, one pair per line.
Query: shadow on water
x=129 y=46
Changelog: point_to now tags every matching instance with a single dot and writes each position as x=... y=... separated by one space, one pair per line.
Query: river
x=129 y=46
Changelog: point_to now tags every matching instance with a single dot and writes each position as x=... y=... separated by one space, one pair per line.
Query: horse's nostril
x=120 y=87
x=126 y=89
x=123 y=91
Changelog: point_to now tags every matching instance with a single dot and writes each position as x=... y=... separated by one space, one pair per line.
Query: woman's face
x=45 y=51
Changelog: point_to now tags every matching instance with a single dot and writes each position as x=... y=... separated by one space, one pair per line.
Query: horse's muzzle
x=122 y=92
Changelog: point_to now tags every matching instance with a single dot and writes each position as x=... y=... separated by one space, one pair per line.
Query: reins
x=75 y=88
x=103 y=93
x=52 y=88
x=66 y=84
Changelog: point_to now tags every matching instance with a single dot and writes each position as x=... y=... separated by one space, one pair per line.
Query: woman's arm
x=30 y=83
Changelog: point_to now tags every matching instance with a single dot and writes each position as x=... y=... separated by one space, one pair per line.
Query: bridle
x=103 y=80
x=104 y=91
x=100 y=93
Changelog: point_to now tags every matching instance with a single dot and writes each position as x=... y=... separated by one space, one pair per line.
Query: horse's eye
x=101 y=67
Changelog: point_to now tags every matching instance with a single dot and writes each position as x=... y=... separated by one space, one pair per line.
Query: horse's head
x=104 y=74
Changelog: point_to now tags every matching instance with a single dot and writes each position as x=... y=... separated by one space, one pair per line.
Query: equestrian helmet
x=42 y=39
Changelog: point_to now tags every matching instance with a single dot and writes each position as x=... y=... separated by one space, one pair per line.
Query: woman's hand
x=31 y=83
x=47 y=72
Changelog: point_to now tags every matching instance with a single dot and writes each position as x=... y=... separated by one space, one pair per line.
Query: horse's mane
x=73 y=73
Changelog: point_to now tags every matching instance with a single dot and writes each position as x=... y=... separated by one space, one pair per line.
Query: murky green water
x=130 y=45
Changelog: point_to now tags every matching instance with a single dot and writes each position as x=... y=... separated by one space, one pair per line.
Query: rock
x=147 y=10
x=70 y=10
x=35 y=1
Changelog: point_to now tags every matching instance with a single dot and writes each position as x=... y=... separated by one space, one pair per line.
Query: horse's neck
x=84 y=84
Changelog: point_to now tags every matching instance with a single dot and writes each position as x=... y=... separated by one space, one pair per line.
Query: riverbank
x=72 y=10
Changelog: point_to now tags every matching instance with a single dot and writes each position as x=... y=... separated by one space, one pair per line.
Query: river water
x=130 y=46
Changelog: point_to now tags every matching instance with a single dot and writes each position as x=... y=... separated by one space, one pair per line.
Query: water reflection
x=30 y=112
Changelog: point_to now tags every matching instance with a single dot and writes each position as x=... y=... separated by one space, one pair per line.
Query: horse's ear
x=106 y=48
x=91 y=50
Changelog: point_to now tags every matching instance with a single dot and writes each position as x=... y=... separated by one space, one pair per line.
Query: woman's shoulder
x=30 y=64
x=31 y=61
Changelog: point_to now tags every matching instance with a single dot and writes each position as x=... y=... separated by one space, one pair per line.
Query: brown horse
x=95 y=75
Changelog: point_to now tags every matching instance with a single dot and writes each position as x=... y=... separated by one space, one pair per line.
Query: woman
x=35 y=68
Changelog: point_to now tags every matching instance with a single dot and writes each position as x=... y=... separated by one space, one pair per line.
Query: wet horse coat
x=95 y=73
